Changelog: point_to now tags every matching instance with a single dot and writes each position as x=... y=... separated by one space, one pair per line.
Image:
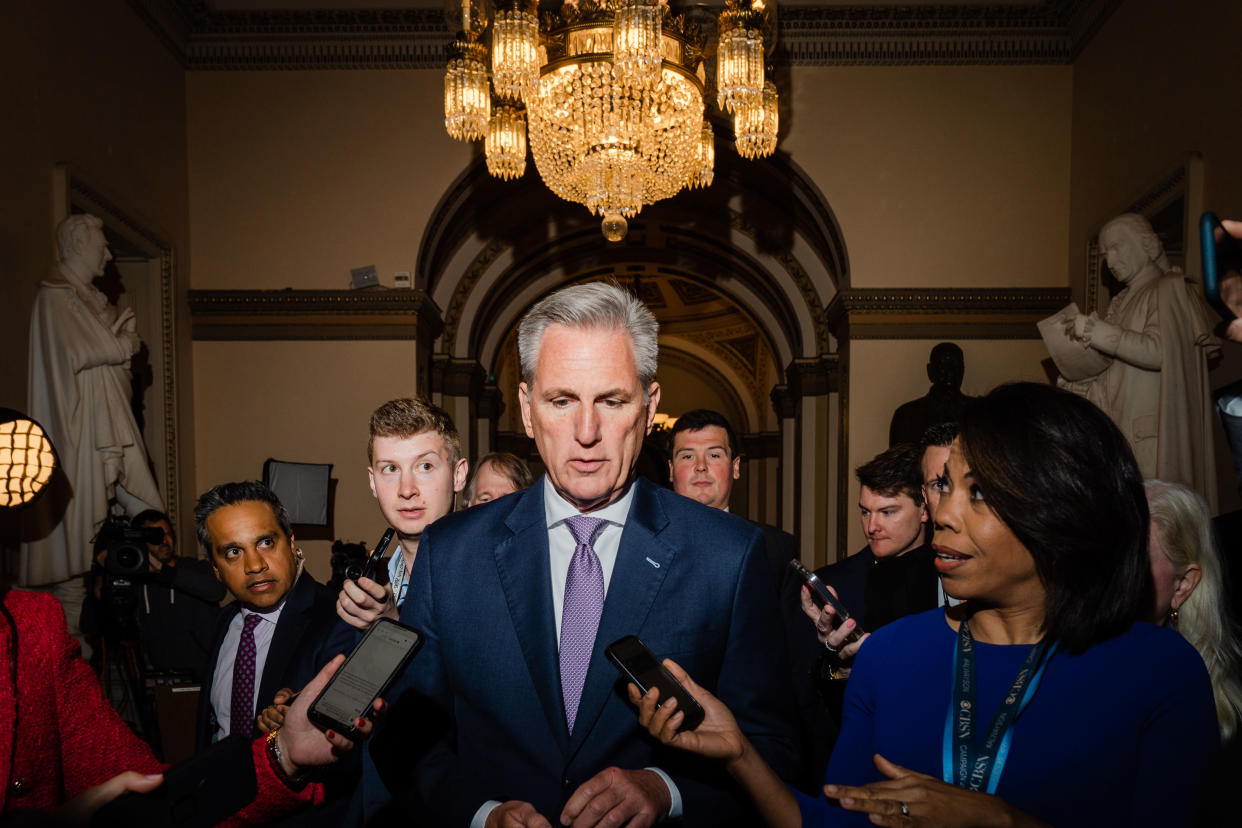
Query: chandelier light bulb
x=505 y=146
x=739 y=58
x=703 y=176
x=515 y=50
x=467 y=99
x=636 y=44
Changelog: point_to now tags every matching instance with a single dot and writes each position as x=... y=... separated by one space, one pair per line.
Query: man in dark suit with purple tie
x=518 y=599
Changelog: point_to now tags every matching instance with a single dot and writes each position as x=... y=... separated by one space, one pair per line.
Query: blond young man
x=415 y=469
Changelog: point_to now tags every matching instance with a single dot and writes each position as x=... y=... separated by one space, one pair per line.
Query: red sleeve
x=95 y=745
x=275 y=798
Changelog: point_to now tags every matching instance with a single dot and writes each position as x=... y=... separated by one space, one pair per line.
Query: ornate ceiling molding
x=253 y=315
x=1051 y=31
x=912 y=313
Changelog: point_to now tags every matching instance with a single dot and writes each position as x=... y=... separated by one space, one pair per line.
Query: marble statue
x=941 y=404
x=80 y=390
x=1145 y=361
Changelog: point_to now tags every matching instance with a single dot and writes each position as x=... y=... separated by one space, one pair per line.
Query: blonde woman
x=1190 y=591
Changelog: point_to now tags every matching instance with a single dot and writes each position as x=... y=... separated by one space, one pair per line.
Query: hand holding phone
x=822 y=596
x=375 y=567
x=640 y=666
x=1222 y=266
x=379 y=658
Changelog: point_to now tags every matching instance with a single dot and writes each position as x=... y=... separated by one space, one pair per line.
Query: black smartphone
x=821 y=594
x=375 y=567
x=639 y=665
x=379 y=658
x=203 y=790
x=1222 y=258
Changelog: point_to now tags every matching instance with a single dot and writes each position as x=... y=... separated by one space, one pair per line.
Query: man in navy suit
x=518 y=599
x=281 y=618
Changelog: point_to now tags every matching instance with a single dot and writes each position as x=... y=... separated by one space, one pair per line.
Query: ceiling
x=412 y=34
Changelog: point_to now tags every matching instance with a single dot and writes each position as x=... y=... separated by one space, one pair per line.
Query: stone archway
x=739 y=274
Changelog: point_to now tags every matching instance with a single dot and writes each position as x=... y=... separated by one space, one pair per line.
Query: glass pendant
x=755 y=125
x=702 y=177
x=515 y=49
x=739 y=57
x=505 y=146
x=467 y=100
x=636 y=40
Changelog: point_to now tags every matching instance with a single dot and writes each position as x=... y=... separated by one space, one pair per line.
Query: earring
x=1173 y=618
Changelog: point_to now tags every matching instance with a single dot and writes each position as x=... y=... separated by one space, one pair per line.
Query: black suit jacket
x=299 y=648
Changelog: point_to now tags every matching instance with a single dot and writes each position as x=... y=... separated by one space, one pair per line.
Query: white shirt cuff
x=674 y=795
x=480 y=816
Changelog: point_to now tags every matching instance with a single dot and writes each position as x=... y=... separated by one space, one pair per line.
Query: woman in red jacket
x=61 y=739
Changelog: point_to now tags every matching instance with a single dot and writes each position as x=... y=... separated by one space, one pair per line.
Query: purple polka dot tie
x=584 y=602
x=241 y=711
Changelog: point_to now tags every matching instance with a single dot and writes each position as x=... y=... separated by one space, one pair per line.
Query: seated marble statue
x=80 y=389
x=1145 y=361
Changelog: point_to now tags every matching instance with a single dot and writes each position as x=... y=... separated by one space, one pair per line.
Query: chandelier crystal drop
x=505 y=146
x=739 y=57
x=467 y=99
x=755 y=125
x=707 y=157
x=636 y=47
x=515 y=50
x=614 y=97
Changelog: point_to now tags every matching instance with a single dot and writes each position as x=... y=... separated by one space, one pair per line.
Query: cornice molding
x=1053 y=31
x=911 y=313
x=250 y=315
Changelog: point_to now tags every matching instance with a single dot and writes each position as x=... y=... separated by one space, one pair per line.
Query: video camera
x=125 y=549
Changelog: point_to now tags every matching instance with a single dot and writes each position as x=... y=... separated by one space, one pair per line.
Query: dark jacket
x=298 y=651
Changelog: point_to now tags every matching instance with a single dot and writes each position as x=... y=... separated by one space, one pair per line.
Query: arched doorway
x=739 y=276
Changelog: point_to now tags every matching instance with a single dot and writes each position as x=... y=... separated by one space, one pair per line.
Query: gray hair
x=1141 y=230
x=592 y=305
x=230 y=494
x=75 y=231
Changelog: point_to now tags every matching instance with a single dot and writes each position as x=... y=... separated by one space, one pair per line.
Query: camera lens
x=353 y=572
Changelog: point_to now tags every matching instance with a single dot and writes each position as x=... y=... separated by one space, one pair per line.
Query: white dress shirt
x=222 y=678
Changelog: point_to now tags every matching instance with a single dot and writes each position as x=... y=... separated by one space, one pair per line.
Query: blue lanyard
x=965 y=763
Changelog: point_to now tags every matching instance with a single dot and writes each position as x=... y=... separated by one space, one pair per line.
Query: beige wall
x=306 y=402
x=297 y=177
x=1153 y=85
x=940 y=176
x=887 y=373
x=89 y=85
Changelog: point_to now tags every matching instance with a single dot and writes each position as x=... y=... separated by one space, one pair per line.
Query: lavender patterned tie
x=584 y=602
x=241 y=710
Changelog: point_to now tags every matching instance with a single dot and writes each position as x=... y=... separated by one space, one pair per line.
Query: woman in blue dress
x=1040 y=700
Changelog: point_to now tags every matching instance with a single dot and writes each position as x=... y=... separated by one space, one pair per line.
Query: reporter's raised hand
x=80 y=809
x=634 y=798
x=717 y=737
x=515 y=814
x=304 y=746
x=363 y=602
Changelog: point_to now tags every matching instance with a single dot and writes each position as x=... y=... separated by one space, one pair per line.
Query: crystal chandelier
x=610 y=94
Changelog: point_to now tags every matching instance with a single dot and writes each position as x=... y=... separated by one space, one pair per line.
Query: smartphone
x=1222 y=257
x=375 y=567
x=639 y=665
x=378 y=659
x=204 y=790
x=821 y=594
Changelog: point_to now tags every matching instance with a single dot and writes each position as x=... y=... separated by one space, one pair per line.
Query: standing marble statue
x=1145 y=361
x=80 y=389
